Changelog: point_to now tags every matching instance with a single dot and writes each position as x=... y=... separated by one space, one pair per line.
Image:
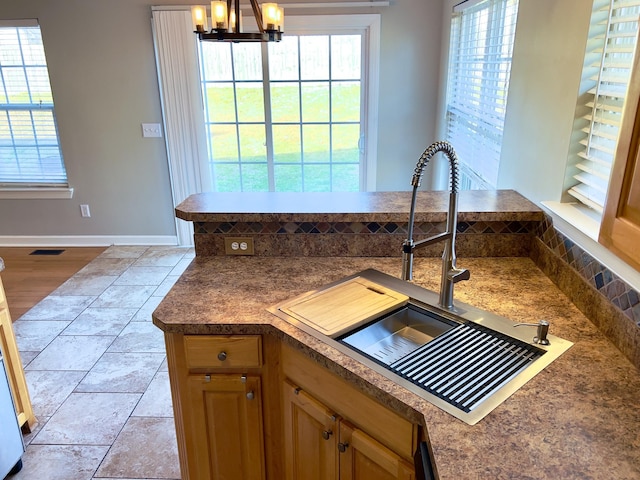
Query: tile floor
x=97 y=374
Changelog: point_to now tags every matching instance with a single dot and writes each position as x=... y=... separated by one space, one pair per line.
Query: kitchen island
x=577 y=419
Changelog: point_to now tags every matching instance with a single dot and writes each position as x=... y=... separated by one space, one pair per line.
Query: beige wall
x=103 y=76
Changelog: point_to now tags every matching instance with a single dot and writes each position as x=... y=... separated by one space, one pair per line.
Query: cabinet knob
x=326 y=434
x=222 y=356
x=342 y=447
x=250 y=395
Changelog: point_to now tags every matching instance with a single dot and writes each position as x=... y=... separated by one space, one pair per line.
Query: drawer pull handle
x=297 y=390
x=250 y=395
x=222 y=356
x=342 y=447
x=326 y=434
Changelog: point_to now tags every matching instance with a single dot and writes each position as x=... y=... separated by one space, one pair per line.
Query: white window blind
x=29 y=147
x=481 y=46
x=606 y=73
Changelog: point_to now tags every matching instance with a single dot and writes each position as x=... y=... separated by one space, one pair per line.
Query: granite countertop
x=489 y=205
x=577 y=419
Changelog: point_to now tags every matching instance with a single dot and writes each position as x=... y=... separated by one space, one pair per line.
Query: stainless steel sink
x=466 y=361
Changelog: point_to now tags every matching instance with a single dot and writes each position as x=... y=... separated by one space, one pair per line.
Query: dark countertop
x=489 y=205
x=577 y=419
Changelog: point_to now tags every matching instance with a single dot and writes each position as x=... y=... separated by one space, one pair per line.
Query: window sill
x=578 y=216
x=36 y=193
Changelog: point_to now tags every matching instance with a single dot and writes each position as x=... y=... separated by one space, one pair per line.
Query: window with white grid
x=480 y=51
x=29 y=147
x=606 y=73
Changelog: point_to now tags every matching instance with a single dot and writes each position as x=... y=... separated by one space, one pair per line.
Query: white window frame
x=34 y=190
x=480 y=126
x=369 y=26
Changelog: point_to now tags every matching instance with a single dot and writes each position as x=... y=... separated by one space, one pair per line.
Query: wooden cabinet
x=250 y=407
x=226 y=425
x=17 y=381
x=321 y=445
x=216 y=384
x=333 y=431
x=620 y=229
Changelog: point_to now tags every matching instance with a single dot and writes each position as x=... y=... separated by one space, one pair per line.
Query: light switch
x=151 y=130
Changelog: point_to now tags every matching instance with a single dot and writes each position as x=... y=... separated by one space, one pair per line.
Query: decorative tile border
x=598 y=276
x=309 y=228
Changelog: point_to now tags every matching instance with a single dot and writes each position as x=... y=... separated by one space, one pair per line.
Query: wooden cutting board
x=345 y=306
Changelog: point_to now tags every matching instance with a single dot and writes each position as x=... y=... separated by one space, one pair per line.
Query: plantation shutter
x=29 y=148
x=608 y=62
x=481 y=46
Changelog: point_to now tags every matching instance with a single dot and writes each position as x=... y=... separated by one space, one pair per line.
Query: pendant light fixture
x=226 y=22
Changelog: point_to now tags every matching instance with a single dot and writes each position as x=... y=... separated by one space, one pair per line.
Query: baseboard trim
x=85 y=240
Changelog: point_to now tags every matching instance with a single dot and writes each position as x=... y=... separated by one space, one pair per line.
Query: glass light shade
x=270 y=16
x=234 y=26
x=199 y=18
x=219 y=15
x=280 y=19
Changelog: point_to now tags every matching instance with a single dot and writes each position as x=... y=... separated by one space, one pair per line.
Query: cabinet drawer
x=203 y=351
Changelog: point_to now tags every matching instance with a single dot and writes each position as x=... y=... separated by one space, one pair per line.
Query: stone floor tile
x=56 y=307
x=161 y=256
x=156 y=401
x=144 y=314
x=123 y=251
x=73 y=352
x=143 y=276
x=88 y=284
x=88 y=419
x=146 y=448
x=60 y=462
x=139 y=337
x=122 y=372
x=166 y=285
x=100 y=321
x=49 y=389
x=181 y=266
x=106 y=266
x=164 y=367
x=124 y=296
x=41 y=421
x=26 y=357
x=35 y=336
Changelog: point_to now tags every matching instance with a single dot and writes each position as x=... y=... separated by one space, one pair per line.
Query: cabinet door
x=226 y=427
x=620 y=228
x=363 y=458
x=310 y=437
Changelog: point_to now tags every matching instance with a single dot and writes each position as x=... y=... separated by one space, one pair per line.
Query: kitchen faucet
x=450 y=274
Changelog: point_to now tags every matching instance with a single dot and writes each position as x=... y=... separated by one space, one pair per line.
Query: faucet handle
x=458 y=274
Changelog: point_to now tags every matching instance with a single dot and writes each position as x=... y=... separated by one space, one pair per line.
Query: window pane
x=314 y=57
x=220 y=102
x=227 y=177
x=255 y=178
x=288 y=178
x=216 y=61
x=27 y=132
x=315 y=102
x=252 y=143
x=286 y=143
x=345 y=143
x=345 y=101
x=283 y=59
x=247 y=61
x=346 y=57
x=317 y=144
x=285 y=102
x=317 y=178
x=224 y=143
x=250 y=102
x=345 y=178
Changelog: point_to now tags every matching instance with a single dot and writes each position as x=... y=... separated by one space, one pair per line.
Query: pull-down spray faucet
x=450 y=274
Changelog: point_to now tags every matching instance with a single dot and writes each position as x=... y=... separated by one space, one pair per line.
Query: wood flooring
x=29 y=278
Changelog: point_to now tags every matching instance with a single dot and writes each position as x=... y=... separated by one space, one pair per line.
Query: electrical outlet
x=84 y=211
x=238 y=246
